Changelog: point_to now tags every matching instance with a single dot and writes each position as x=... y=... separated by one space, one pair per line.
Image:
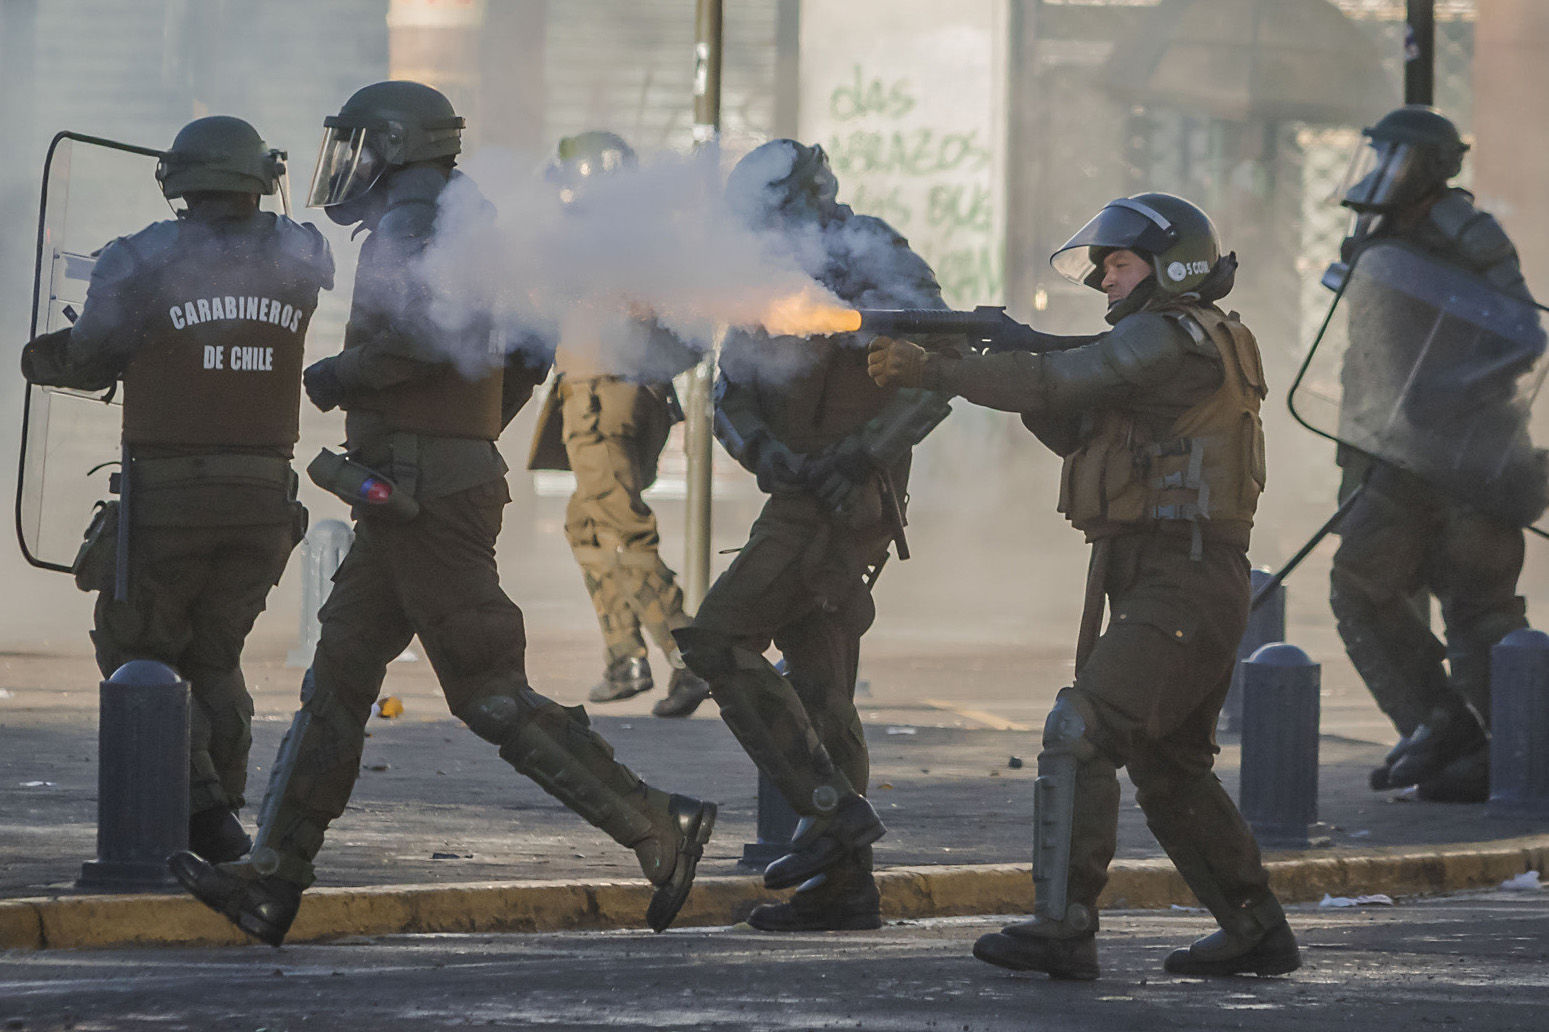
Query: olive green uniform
x=803 y=580
x=204 y=320
x=1405 y=541
x=430 y=424
x=1158 y=421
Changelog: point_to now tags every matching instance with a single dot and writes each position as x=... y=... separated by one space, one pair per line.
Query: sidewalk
x=442 y=836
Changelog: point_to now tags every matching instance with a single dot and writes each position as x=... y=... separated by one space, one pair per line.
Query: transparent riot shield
x=93 y=191
x=1433 y=370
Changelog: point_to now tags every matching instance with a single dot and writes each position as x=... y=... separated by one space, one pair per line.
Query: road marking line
x=989 y=720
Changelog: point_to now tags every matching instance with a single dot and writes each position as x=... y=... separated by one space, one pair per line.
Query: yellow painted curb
x=84 y=922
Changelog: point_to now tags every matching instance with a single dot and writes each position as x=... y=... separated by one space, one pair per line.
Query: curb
x=87 y=922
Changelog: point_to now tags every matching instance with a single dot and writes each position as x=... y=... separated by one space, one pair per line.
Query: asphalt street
x=1474 y=961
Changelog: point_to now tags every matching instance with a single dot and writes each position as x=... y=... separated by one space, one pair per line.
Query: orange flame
x=808 y=314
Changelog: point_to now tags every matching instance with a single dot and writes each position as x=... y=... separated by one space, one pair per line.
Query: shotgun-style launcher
x=987 y=328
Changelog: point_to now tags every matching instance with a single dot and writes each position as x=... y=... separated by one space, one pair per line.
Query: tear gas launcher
x=986 y=328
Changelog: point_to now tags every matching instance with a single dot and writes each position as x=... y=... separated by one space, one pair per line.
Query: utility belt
x=186 y=470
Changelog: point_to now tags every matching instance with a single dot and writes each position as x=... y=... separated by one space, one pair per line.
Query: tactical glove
x=896 y=363
x=322 y=384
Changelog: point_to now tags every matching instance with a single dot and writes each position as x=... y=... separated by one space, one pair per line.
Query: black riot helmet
x=382 y=126
x=587 y=156
x=219 y=154
x=783 y=180
x=1407 y=156
x=1173 y=234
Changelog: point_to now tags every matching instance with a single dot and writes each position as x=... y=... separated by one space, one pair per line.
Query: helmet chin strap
x=1132 y=302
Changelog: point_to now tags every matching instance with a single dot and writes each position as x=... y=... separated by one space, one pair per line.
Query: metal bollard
x=1519 y=738
x=321 y=553
x=776 y=820
x=1266 y=625
x=776 y=826
x=1278 y=794
x=142 y=778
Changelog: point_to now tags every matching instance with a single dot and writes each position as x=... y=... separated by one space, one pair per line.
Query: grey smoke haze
x=661 y=240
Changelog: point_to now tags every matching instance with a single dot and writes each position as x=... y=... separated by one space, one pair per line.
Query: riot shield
x=93 y=191
x=1433 y=370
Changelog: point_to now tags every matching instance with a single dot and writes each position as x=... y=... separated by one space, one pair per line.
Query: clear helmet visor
x=1382 y=175
x=348 y=165
x=1118 y=225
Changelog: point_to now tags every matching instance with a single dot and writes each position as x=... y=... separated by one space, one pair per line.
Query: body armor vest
x=1208 y=466
x=831 y=397
x=220 y=362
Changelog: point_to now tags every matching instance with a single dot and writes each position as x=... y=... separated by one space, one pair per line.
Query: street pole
x=697 y=412
x=1420 y=53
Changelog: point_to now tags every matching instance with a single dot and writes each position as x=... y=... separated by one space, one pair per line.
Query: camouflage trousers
x=1400 y=545
x=614 y=432
x=1149 y=695
x=194 y=593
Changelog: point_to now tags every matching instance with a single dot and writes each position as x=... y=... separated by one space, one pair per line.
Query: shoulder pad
x=121 y=258
x=304 y=242
x=1472 y=235
x=890 y=273
x=1145 y=341
x=409 y=219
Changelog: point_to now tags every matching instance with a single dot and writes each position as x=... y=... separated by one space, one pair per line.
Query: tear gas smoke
x=657 y=244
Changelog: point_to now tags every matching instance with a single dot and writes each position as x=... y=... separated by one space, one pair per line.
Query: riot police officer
x=791 y=410
x=1158 y=423
x=424 y=403
x=606 y=419
x=1407 y=538
x=203 y=320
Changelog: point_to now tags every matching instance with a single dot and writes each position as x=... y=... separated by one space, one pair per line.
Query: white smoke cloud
x=657 y=242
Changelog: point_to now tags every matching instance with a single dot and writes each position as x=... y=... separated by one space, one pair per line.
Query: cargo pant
x=1400 y=544
x=194 y=593
x=434 y=576
x=1149 y=695
x=798 y=583
x=614 y=432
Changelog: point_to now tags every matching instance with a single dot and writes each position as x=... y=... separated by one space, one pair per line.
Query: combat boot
x=1065 y=949
x=685 y=692
x=217 y=835
x=1255 y=940
x=670 y=860
x=1464 y=780
x=624 y=679
x=843 y=898
x=262 y=906
x=823 y=842
x=1447 y=734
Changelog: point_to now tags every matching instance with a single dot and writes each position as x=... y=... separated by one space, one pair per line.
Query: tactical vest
x=1209 y=466
x=830 y=398
x=220 y=361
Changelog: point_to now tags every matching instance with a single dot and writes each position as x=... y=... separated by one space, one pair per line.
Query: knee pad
x=497 y=715
x=1065 y=730
x=709 y=654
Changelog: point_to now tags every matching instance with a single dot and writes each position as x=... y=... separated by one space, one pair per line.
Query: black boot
x=823 y=842
x=217 y=835
x=844 y=898
x=1382 y=777
x=685 y=692
x=1447 y=734
x=1253 y=939
x=1464 y=780
x=263 y=907
x=625 y=678
x=1064 y=949
x=694 y=820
